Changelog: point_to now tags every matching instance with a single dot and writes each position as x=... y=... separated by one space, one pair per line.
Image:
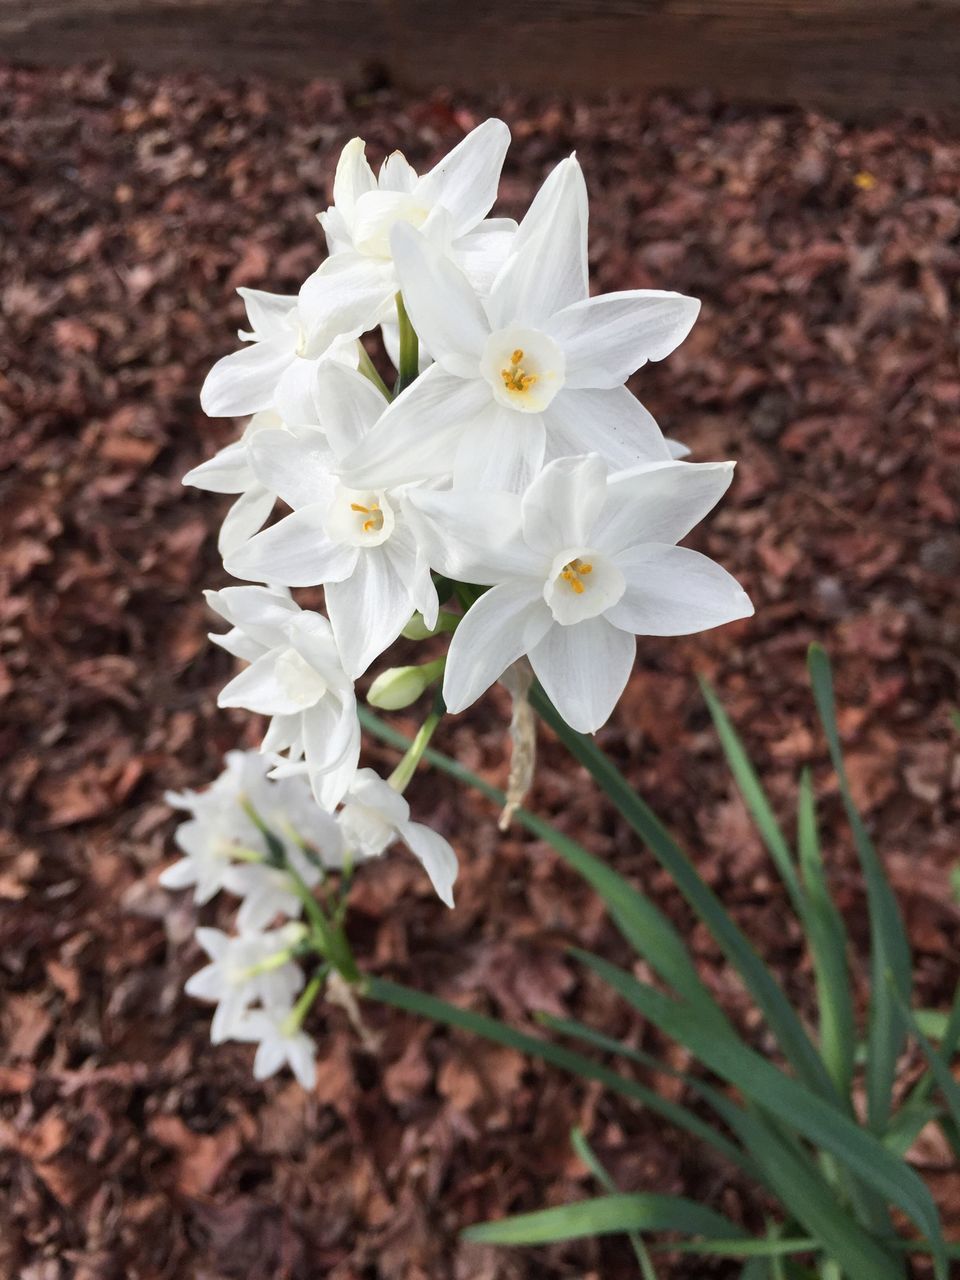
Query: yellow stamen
x=375 y=523
x=514 y=378
x=573 y=572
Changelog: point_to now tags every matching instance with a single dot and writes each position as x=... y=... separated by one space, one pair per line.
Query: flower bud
x=417 y=629
x=397 y=688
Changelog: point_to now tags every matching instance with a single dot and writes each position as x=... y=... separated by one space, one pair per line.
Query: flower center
x=372 y=521
x=582 y=584
x=359 y=518
x=514 y=377
x=574 y=573
x=524 y=367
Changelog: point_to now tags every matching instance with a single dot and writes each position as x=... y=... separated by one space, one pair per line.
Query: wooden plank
x=853 y=56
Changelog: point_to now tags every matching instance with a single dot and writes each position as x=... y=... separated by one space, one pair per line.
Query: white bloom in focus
x=358 y=544
x=296 y=676
x=374 y=816
x=275 y=367
x=531 y=372
x=279 y=1045
x=578 y=567
x=243 y=969
x=229 y=471
x=354 y=289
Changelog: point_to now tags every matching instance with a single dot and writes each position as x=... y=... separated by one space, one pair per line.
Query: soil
x=825 y=361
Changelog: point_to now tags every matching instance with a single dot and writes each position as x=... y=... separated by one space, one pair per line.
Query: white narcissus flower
x=578 y=567
x=296 y=677
x=229 y=471
x=357 y=543
x=354 y=289
x=243 y=969
x=279 y=1044
x=533 y=371
x=374 y=816
x=221 y=828
x=275 y=367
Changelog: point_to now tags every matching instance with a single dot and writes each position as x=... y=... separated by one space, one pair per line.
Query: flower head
x=578 y=567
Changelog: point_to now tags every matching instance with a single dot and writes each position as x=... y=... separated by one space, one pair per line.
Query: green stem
x=330 y=937
x=400 y=778
x=369 y=370
x=409 y=349
x=295 y=1018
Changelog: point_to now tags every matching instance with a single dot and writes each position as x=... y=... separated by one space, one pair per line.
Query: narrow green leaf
x=605 y=1215
x=939 y=1069
x=754 y=796
x=779 y=1013
x=949 y=1041
x=827 y=939
x=586 y=1153
x=786 y=1099
x=889 y=947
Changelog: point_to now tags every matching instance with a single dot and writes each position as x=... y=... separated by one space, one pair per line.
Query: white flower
x=354 y=289
x=221 y=827
x=534 y=371
x=229 y=471
x=244 y=969
x=279 y=1044
x=578 y=567
x=358 y=544
x=275 y=369
x=374 y=816
x=295 y=676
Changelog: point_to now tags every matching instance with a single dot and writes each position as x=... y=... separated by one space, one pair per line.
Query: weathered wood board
x=854 y=56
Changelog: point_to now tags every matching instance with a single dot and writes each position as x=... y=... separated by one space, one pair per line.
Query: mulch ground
x=825 y=361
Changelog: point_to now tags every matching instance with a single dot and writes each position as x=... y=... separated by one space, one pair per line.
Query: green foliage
x=788 y=1124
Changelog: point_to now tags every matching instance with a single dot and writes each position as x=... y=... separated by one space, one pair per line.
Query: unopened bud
x=417 y=629
x=397 y=688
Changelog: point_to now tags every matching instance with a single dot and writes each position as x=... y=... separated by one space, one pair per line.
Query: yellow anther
x=375 y=523
x=514 y=378
x=572 y=574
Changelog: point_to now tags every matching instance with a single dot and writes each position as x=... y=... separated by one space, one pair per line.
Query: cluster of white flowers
x=510 y=467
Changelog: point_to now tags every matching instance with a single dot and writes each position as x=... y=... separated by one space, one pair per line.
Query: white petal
x=347 y=405
x=293 y=397
x=660 y=503
x=547 y=266
x=504 y=623
x=673 y=591
x=368 y=610
x=259 y=611
x=501 y=450
x=347 y=295
x=396 y=174
x=410 y=565
x=258 y=688
x=268 y=313
x=226 y=472
x=353 y=177
x=560 y=507
x=473 y=537
x=436 y=854
x=606 y=338
x=244 y=382
x=270 y=1057
x=465 y=181
x=440 y=301
x=482 y=252
x=301 y=1055
x=331 y=743
x=245 y=518
x=297 y=468
x=295 y=552
x=612 y=423
x=584 y=669
x=418 y=433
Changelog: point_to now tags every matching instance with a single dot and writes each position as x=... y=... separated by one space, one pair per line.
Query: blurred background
x=797 y=166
